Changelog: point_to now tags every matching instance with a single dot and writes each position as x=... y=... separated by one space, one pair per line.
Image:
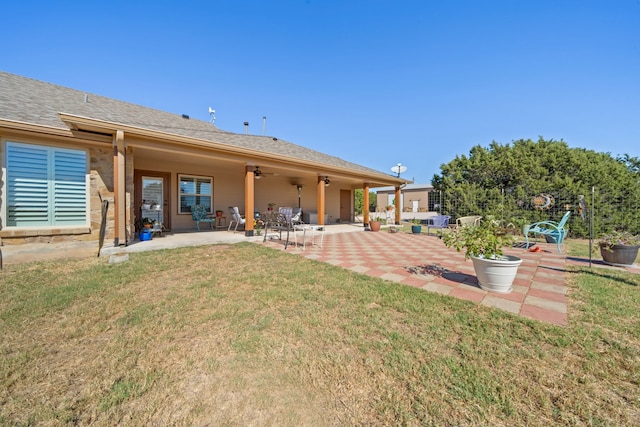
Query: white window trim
x=180 y=194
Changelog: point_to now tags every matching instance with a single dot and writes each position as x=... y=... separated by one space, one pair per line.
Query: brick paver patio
x=422 y=261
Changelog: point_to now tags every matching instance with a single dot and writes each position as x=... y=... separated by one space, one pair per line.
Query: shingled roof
x=31 y=101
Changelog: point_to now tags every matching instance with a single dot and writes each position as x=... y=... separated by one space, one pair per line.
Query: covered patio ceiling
x=153 y=144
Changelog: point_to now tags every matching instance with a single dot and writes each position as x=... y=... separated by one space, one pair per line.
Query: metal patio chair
x=199 y=214
x=554 y=232
x=438 y=221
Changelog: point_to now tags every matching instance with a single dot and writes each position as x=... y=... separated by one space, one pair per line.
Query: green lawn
x=247 y=335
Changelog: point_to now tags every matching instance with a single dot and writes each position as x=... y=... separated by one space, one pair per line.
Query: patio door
x=345 y=205
x=152 y=190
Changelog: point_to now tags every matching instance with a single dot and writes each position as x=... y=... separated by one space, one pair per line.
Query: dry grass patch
x=246 y=335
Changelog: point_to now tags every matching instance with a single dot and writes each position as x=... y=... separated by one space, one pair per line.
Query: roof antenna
x=264 y=124
x=246 y=128
x=212 y=113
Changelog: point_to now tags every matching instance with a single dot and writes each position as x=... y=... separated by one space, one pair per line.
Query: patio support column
x=398 y=213
x=321 y=200
x=119 y=193
x=249 y=200
x=365 y=204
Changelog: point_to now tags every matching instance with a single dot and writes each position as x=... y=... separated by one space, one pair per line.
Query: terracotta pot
x=375 y=225
x=218 y=213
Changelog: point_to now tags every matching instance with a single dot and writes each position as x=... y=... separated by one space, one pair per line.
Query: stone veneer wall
x=102 y=186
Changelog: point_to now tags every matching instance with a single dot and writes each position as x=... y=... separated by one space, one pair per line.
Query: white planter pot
x=496 y=275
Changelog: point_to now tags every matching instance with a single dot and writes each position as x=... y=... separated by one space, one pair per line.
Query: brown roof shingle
x=32 y=101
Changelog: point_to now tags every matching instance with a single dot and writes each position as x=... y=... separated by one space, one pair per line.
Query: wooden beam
x=119 y=184
x=321 y=200
x=365 y=204
x=398 y=213
x=249 y=199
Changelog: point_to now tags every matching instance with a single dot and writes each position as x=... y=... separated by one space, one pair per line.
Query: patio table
x=313 y=229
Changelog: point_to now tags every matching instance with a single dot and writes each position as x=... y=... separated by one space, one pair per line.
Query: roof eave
x=76 y=122
x=32 y=127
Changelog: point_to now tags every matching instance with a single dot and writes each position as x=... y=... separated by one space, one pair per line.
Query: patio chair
x=280 y=222
x=553 y=232
x=287 y=212
x=464 y=221
x=438 y=221
x=236 y=218
x=297 y=217
x=199 y=214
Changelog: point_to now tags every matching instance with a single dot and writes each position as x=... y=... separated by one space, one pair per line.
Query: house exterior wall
x=228 y=187
x=385 y=198
x=422 y=196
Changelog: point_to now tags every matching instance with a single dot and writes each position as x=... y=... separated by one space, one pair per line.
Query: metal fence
x=591 y=209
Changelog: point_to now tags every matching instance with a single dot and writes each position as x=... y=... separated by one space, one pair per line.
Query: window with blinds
x=46 y=186
x=195 y=190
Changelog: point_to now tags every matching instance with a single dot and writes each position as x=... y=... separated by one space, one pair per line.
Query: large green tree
x=359 y=201
x=504 y=181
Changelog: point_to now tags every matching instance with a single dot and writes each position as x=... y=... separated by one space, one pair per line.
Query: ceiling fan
x=257 y=173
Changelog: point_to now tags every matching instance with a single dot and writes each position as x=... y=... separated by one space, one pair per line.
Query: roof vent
x=185 y=116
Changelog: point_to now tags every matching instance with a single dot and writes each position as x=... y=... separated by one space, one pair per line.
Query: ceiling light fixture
x=326 y=181
x=256 y=173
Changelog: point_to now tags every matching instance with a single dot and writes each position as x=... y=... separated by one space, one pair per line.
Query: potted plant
x=270 y=206
x=147 y=222
x=257 y=226
x=218 y=213
x=375 y=223
x=389 y=207
x=483 y=244
x=619 y=247
x=416 y=227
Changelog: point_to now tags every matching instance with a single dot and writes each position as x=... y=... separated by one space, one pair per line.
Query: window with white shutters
x=46 y=186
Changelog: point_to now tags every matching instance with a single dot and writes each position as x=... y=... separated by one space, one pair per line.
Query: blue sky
x=374 y=82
